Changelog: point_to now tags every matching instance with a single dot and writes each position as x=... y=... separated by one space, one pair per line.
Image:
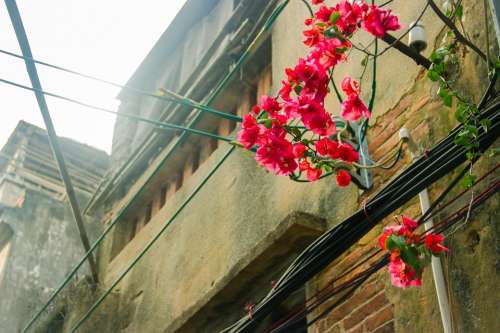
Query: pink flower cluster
x=302 y=96
x=402 y=242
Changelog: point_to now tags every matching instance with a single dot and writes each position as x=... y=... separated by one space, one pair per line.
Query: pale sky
x=107 y=39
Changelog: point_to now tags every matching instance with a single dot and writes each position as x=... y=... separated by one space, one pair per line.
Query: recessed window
x=163 y=195
x=133 y=228
x=149 y=213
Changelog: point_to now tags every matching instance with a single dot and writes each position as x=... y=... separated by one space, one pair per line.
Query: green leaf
x=268 y=123
x=468 y=181
x=485 y=124
x=448 y=100
x=459 y=12
x=395 y=242
x=432 y=75
x=461 y=140
x=460 y=114
x=411 y=257
x=334 y=17
x=438 y=68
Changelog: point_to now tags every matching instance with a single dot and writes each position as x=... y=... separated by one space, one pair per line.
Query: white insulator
x=447 y=7
x=417 y=38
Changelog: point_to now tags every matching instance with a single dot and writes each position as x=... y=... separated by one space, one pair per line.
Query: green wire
x=156 y=123
x=249 y=51
x=150 y=243
x=174 y=97
x=210 y=99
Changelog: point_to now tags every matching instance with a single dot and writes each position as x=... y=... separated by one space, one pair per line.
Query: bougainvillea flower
x=324 y=13
x=409 y=223
x=434 y=242
x=350 y=15
x=350 y=87
x=327 y=147
x=314 y=116
x=347 y=153
x=313 y=174
x=403 y=275
x=270 y=104
x=285 y=90
x=275 y=152
x=353 y=108
x=377 y=21
x=389 y=230
x=298 y=150
x=250 y=131
x=343 y=178
x=317 y=2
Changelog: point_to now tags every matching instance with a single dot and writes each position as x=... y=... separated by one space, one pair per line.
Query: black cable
x=441 y=160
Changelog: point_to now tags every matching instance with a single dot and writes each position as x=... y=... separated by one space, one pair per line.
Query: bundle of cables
x=438 y=162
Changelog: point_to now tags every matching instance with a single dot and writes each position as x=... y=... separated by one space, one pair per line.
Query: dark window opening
x=149 y=213
x=163 y=195
x=133 y=229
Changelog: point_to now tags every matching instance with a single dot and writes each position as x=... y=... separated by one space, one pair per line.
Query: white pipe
x=437 y=268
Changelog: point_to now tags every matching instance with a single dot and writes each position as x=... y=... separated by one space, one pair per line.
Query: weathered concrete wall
x=242 y=204
x=44 y=246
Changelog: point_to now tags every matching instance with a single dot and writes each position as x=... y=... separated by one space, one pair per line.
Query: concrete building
x=239 y=232
x=39 y=241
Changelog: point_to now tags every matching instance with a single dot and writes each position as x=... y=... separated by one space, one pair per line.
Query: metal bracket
x=363 y=178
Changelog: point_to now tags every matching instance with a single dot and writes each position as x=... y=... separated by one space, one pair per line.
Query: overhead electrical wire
x=332 y=288
x=174 y=97
x=156 y=123
x=324 y=296
x=439 y=161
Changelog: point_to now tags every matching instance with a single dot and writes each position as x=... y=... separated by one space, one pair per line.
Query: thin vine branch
x=459 y=36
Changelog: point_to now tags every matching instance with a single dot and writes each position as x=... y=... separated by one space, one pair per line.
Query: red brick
x=385 y=147
x=333 y=329
x=387 y=328
x=364 y=311
x=378 y=319
x=420 y=104
x=359 y=329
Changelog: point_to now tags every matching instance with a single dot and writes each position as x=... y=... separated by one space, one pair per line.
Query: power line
x=159 y=124
x=174 y=97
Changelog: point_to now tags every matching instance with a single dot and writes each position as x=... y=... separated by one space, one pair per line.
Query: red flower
x=313 y=115
x=270 y=104
x=409 y=223
x=377 y=21
x=327 y=147
x=275 y=152
x=343 y=178
x=350 y=87
x=403 y=275
x=285 y=90
x=347 y=153
x=250 y=131
x=324 y=13
x=313 y=174
x=434 y=242
x=317 y=2
x=353 y=108
x=298 y=150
